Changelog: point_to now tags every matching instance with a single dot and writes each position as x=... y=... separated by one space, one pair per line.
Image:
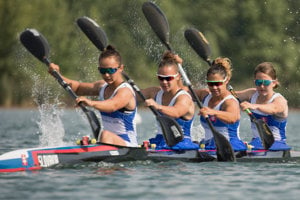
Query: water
x=140 y=179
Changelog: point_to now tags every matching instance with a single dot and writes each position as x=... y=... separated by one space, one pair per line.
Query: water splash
x=51 y=126
x=51 y=130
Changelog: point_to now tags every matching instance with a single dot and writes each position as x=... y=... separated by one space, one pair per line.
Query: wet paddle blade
x=35 y=43
x=93 y=31
x=172 y=132
x=157 y=20
x=227 y=153
x=224 y=148
x=93 y=120
x=199 y=43
x=265 y=133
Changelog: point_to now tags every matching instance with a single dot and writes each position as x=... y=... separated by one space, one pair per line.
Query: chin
x=263 y=93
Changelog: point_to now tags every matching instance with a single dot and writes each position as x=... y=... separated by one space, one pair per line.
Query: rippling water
x=140 y=179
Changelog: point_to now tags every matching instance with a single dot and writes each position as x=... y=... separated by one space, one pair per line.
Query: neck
x=115 y=84
x=265 y=98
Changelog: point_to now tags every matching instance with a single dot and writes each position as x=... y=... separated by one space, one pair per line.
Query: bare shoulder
x=150 y=92
x=99 y=84
x=282 y=100
x=246 y=94
x=201 y=93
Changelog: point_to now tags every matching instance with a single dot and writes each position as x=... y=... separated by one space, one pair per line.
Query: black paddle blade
x=94 y=122
x=265 y=133
x=198 y=42
x=227 y=153
x=172 y=132
x=35 y=43
x=93 y=31
x=157 y=21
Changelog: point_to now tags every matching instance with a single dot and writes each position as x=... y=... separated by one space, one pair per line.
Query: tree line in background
x=248 y=32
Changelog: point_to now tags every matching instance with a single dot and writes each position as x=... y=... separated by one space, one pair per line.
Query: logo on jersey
x=213 y=118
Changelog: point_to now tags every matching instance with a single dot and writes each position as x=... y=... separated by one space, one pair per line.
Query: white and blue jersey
x=121 y=122
x=276 y=124
x=186 y=126
x=230 y=131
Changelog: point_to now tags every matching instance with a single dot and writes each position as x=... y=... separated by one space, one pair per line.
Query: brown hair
x=110 y=51
x=222 y=66
x=267 y=68
x=168 y=59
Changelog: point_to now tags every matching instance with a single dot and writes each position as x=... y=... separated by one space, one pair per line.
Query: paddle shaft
x=65 y=85
x=138 y=91
x=93 y=120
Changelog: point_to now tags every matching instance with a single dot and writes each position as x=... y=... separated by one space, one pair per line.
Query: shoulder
x=280 y=98
x=201 y=93
x=99 y=84
x=246 y=94
x=231 y=101
x=184 y=95
x=150 y=92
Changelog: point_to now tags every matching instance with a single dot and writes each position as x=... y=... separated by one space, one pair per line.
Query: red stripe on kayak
x=19 y=169
x=79 y=149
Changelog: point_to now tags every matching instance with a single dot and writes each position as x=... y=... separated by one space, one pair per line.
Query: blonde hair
x=222 y=66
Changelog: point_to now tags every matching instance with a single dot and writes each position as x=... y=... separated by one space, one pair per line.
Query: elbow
x=233 y=119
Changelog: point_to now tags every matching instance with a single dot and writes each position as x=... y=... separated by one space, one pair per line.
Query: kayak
x=43 y=157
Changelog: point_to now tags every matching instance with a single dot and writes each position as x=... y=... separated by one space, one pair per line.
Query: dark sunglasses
x=259 y=82
x=166 y=77
x=215 y=83
x=108 y=70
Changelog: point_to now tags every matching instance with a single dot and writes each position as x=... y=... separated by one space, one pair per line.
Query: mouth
x=165 y=87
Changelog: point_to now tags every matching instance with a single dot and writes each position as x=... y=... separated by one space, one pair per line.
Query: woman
x=267 y=105
x=171 y=100
x=117 y=102
x=220 y=106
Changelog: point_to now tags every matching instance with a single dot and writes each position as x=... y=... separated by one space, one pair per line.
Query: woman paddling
x=267 y=105
x=171 y=100
x=117 y=102
x=221 y=107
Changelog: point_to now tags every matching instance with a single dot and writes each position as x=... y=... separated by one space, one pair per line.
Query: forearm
x=227 y=117
x=104 y=106
x=270 y=109
x=171 y=111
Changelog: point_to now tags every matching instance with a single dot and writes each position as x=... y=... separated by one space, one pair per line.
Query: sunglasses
x=259 y=82
x=166 y=77
x=108 y=70
x=215 y=83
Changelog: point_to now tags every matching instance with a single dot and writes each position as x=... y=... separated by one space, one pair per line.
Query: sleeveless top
x=121 y=122
x=276 y=124
x=186 y=126
x=230 y=131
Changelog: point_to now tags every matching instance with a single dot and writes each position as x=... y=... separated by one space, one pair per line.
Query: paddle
x=38 y=46
x=201 y=46
x=160 y=26
x=171 y=130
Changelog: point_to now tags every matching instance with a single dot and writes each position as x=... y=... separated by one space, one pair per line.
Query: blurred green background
x=247 y=31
